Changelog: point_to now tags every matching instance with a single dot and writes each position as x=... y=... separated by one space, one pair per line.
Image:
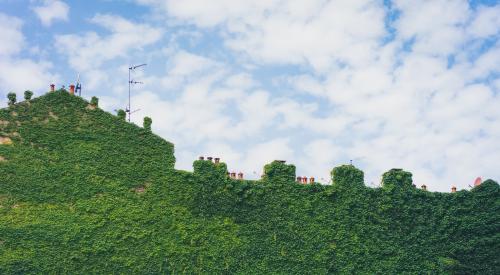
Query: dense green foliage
x=84 y=192
x=147 y=123
x=121 y=114
x=12 y=98
x=94 y=101
x=28 y=94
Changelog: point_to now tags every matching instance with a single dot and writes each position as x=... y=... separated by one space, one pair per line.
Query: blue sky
x=407 y=84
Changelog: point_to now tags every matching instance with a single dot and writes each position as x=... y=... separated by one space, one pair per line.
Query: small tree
x=94 y=101
x=12 y=98
x=147 y=123
x=28 y=94
x=121 y=114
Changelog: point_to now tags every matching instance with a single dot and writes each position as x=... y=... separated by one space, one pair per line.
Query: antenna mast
x=78 y=86
x=130 y=82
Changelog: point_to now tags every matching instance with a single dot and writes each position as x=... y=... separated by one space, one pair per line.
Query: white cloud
x=52 y=10
x=12 y=39
x=90 y=50
x=437 y=26
x=486 y=22
x=18 y=74
x=299 y=32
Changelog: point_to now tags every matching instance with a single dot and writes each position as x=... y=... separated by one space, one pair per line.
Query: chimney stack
x=299 y=179
x=240 y=175
x=72 y=89
x=217 y=160
x=424 y=187
x=478 y=181
x=52 y=87
x=201 y=158
x=453 y=189
x=311 y=180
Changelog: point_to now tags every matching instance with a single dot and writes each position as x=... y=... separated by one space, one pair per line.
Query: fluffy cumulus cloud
x=406 y=85
x=51 y=10
x=90 y=50
x=17 y=73
x=410 y=84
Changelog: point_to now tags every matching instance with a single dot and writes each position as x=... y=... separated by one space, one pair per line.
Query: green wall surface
x=85 y=192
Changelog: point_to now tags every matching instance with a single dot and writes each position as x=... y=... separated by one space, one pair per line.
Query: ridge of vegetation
x=83 y=191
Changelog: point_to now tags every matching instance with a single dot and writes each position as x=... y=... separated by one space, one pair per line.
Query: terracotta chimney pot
x=209 y=158
x=478 y=181
x=424 y=187
x=299 y=179
x=240 y=175
x=453 y=189
x=201 y=158
x=233 y=175
x=72 y=89
x=304 y=179
x=311 y=180
x=217 y=160
x=52 y=87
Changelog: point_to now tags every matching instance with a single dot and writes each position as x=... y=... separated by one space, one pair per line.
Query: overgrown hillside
x=84 y=192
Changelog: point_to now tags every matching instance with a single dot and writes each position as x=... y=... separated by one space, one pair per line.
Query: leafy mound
x=83 y=191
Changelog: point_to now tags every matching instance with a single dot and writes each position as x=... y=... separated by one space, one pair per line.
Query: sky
x=384 y=84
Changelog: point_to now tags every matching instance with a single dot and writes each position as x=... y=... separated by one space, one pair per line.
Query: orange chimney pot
x=478 y=181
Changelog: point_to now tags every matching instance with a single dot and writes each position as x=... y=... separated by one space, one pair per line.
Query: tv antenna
x=128 y=110
x=78 y=89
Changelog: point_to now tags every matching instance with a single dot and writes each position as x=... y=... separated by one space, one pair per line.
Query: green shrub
x=147 y=123
x=122 y=114
x=94 y=101
x=28 y=94
x=12 y=98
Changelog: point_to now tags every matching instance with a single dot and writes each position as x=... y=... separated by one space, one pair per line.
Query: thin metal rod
x=130 y=82
x=129 y=69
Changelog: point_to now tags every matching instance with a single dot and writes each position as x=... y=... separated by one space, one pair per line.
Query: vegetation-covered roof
x=83 y=191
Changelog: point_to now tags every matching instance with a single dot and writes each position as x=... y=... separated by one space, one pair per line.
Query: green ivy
x=121 y=114
x=147 y=123
x=12 y=98
x=94 y=101
x=84 y=192
x=28 y=94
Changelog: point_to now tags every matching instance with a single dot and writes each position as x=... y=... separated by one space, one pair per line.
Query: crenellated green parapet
x=397 y=178
x=279 y=171
x=488 y=186
x=210 y=170
x=347 y=175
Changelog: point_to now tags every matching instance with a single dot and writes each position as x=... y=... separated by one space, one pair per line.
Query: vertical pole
x=129 y=93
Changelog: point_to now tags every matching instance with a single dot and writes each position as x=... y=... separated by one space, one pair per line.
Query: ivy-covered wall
x=84 y=192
